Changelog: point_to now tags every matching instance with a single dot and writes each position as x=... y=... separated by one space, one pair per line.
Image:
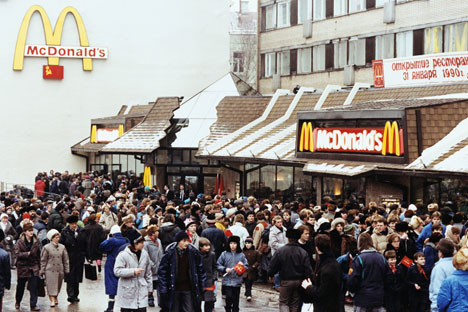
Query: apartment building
x=320 y=42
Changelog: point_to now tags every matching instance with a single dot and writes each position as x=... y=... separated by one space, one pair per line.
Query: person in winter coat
x=133 y=268
x=191 y=229
x=232 y=281
x=155 y=252
x=9 y=236
x=368 y=276
x=108 y=219
x=5 y=270
x=215 y=236
x=292 y=265
x=168 y=230
x=28 y=253
x=442 y=269
x=41 y=229
x=394 y=282
x=453 y=294
x=95 y=235
x=54 y=265
x=253 y=259
x=325 y=291
x=238 y=229
x=379 y=235
x=56 y=219
x=430 y=251
x=418 y=281
x=74 y=240
x=128 y=229
x=336 y=235
x=427 y=230
x=210 y=267
x=277 y=239
x=112 y=246
x=181 y=278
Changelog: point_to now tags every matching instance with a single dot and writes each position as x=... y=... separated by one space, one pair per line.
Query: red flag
x=52 y=72
x=221 y=185
x=215 y=191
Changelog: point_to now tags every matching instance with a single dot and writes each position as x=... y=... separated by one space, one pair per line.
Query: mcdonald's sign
x=377 y=66
x=53 y=38
x=388 y=140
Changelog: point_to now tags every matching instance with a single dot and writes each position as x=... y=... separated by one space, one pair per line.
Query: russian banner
x=52 y=72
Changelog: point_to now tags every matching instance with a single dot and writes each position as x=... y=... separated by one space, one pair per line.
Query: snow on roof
x=447 y=96
x=444 y=154
x=336 y=169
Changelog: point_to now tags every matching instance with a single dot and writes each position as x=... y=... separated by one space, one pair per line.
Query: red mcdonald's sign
x=379 y=81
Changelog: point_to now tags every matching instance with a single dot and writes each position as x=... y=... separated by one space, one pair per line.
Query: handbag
x=90 y=271
x=41 y=288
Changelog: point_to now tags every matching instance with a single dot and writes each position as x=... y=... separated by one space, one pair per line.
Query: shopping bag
x=90 y=271
x=41 y=288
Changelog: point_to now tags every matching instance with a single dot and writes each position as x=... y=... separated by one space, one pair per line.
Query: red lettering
x=43 y=51
x=52 y=50
x=92 y=52
x=71 y=52
x=62 y=52
x=102 y=53
x=32 y=50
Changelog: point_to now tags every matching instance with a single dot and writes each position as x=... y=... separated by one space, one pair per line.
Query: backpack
x=266 y=235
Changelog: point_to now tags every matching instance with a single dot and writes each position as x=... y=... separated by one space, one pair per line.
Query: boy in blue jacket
x=232 y=281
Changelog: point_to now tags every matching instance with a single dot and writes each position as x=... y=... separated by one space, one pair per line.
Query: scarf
x=421 y=271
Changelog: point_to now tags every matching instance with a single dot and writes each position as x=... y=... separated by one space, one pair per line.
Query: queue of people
x=170 y=248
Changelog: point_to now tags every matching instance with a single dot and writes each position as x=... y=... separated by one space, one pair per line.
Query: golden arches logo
x=307 y=138
x=52 y=37
x=391 y=142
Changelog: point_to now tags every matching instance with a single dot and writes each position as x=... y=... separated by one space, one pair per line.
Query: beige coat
x=54 y=265
x=380 y=240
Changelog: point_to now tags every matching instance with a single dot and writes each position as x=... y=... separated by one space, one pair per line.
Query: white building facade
x=152 y=48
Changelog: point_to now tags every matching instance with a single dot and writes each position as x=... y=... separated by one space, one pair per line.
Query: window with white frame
x=340 y=53
x=319 y=9
x=357 y=52
x=340 y=7
x=404 y=44
x=238 y=62
x=304 y=61
x=456 y=37
x=270 y=64
x=318 y=58
x=384 y=46
x=270 y=19
x=433 y=40
x=284 y=13
x=304 y=11
x=284 y=62
x=357 y=5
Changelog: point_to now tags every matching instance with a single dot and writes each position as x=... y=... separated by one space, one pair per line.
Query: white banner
x=424 y=69
x=70 y=52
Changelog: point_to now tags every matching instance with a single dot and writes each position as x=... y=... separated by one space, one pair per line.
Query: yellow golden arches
x=391 y=135
x=307 y=139
x=51 y=37
x=93 y=134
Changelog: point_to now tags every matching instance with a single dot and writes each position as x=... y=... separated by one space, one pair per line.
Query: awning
x=85 y=146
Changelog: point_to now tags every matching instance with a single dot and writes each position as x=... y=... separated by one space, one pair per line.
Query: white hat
x=90 y=209
x=115 y=229
x=4 y=215
x=412 y=207
x=51 y=234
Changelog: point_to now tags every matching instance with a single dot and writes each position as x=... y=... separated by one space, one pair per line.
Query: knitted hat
x=348 y=229
x=52 y=233
x=293 y=234
x=114 y=229
x=412 y=207
x=138 y=238
x=188 y=222
x=4 y=215
x=249 y=239
x=180 y=236
x=26 y=216
x=219 y=216
x=211 y=219
x=28 y=227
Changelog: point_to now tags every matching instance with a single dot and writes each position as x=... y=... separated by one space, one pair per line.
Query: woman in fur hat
x=54 y=265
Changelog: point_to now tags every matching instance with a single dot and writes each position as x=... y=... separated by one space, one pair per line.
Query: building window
x=270 y=64
x=404 y=44
x=357 y=52
x=319 y=9
x=270 y=20
x=244 y=6
x=284 y=14
x=284 y=183
x=267 y=182
x=456 y=37
x=238 y=62
x=283 y=62
x=357 y=5
x=340 y=7
x=332 y=187
x=433 y=40
x=304 y=10
x=384 y=46
x=340 y=54
x=318 y=55
x=304 y=60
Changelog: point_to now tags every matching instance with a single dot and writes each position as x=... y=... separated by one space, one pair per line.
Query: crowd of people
x=169 y=248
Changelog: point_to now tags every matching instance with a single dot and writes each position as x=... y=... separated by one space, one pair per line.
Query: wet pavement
x=93 y=299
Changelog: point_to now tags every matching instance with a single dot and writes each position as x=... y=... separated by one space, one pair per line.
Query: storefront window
x=303 y=187
x=115 y=159
x=267 y=183
x=455 y=193
x=123 y=162
x=172 y=169
x=140 y=168
x=333 y=188
x=252 y=182
x=177 y=156
x=131 y=163
x=209 y=184
x=162 y=157
x=354 y=190
x=173 y=181
x=284 y=183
